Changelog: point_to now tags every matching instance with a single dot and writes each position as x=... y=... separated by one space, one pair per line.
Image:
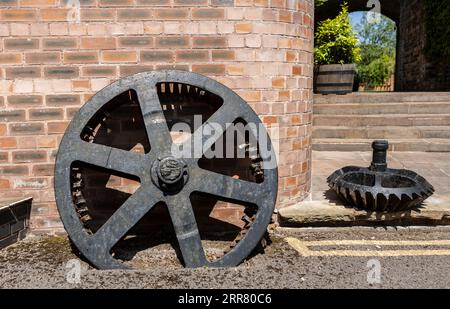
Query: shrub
x=335 y=41
x=376 y=72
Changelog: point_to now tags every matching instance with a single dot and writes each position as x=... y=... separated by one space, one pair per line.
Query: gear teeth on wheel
x=378 y=188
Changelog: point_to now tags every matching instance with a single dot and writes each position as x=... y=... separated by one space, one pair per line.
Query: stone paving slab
x=436 y=211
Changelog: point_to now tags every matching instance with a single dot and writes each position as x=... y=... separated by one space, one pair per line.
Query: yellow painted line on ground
x=302 y=247
x=379 y=242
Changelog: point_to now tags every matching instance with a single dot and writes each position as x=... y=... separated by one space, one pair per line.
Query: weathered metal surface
x=378 y=188
x=163 y=177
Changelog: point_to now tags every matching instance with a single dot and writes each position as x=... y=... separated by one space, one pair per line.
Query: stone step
x=388 y=132
x=382 y=97
x=382 y=120
x=382 y=108
x=419 y=144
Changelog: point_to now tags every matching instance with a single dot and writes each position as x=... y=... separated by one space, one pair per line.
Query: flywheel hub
x=169 y=173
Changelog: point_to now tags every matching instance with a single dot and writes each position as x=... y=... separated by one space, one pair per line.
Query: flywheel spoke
x=154 y=119
x=134 y=208
x=227 y=187
x=115 y=159
x=205 y=136
x=185 y=225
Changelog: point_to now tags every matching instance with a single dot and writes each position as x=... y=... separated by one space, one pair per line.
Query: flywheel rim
x=96 y=247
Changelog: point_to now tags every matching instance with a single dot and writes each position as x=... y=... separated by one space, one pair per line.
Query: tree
x=377 y=42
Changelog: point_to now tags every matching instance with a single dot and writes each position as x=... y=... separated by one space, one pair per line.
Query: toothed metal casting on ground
x=163 y=177
x=378 y=188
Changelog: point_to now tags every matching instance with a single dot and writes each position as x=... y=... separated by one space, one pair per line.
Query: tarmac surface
x=296 y=258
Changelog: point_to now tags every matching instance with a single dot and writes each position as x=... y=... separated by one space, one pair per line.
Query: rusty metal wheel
x=163 y=177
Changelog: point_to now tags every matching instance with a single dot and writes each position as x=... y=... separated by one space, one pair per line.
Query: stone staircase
x=410 y=121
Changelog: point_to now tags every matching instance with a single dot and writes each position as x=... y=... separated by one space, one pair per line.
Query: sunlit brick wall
x=54 y=57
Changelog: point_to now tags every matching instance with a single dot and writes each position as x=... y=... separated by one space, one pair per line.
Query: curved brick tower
x=56 y=54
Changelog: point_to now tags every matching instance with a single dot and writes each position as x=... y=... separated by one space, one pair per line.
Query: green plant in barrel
x=335 y=53
x=335 y=41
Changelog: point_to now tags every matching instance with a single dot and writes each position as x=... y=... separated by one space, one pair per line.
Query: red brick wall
x=414 y=71
x=50 y=66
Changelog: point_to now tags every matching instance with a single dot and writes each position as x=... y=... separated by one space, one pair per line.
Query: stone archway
x=414 y=72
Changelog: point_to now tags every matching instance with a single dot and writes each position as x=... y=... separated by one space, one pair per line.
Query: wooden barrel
x=334 y=78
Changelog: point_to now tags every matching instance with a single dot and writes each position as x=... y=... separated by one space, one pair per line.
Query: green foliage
x=335 y=40
x=437 y=18
x=376 y=72
x=378 y=45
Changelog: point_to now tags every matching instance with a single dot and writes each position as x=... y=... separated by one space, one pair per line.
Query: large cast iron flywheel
x=163 y=176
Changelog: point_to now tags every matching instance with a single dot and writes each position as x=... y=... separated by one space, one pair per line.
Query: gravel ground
x=40 y=262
